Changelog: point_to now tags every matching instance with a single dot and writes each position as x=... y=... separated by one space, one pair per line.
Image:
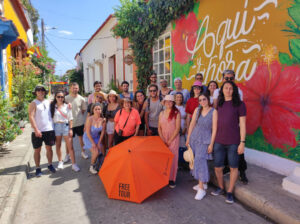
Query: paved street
x=68 y=197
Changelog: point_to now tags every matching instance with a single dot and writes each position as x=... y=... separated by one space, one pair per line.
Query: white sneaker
x=92 y=170
x=200 y=194
x=67 y=158
x=84 y=155
x=60 y=165
x=196 y=187
x=75 y=167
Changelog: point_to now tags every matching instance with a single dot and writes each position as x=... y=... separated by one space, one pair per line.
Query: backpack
x=160 y=98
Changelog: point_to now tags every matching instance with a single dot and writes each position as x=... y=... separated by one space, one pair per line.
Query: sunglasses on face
x=229 y=78
x=152 y=91
x=60 y=97
x=204 y=99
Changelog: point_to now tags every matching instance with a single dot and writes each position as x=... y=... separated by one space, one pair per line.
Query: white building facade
x=103 y=58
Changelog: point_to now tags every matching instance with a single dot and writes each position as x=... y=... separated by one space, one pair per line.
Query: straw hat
x=99 y=94
x=188 y=156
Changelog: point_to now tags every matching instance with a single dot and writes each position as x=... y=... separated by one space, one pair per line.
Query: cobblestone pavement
x=69 y=197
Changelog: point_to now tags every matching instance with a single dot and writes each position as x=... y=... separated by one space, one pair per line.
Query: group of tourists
x=210 y=120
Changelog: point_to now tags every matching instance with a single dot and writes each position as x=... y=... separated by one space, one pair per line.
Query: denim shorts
x=61 y=129
x=110 y=127
x=220 y=152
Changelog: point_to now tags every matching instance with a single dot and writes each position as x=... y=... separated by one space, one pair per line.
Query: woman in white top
x=62 y=118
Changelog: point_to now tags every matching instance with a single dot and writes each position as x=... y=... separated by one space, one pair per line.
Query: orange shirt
x=133 y=121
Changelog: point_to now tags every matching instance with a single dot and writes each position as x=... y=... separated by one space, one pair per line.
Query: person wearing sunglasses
x=63 y=120
x=229 y=75
x=153 y=107
x=201 y=138
x=98 y=98
x=42 y=125
x=199 y=77
x=97 y=89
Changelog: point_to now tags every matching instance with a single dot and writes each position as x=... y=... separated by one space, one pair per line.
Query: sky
x=69 y=24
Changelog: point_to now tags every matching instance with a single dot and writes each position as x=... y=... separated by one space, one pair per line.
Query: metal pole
x=43 y=33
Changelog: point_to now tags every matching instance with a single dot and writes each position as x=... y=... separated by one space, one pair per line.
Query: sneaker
x=38 y=172
x=84 y=155
x=243 y=178
x=67 y=158
x=92 y=170
x=60 y=165
x=51 y=168
x=217 y=192
x=200 y=194
x=75 y=167
x=196 y=187
x=229 y=198
x=172 y=184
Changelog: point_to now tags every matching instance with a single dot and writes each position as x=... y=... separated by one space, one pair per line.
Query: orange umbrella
x=136 y=168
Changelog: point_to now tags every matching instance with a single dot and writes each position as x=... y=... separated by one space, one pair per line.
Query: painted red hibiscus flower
x=272 y=97
x=185 y=30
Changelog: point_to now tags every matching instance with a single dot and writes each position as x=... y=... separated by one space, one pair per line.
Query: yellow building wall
x=10 y=14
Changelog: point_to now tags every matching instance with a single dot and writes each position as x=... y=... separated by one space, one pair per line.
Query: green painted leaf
x=284 y=58
x=294 y=13
x=294 y=45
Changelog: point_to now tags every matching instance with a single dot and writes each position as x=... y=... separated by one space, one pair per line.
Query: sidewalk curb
x=17 y=186
x=260 y=204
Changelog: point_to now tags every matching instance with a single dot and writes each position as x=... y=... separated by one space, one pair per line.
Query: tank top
x=43 y=117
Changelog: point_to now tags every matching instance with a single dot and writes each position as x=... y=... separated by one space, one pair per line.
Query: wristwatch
x=243 y=141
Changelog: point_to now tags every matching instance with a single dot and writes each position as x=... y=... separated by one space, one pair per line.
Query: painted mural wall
x=260 y=40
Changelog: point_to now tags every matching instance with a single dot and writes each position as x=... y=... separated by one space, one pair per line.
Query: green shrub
x=25 y=77
x=9 y=128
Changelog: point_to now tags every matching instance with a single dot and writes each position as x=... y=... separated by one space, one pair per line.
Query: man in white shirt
x=79 y=107
x=42 y=125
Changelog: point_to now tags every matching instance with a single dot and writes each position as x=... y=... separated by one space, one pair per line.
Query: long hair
x=207 y=90
x=173 y=113
x=236 y=101
x=138 y=91
x=208 y=101
x=53 y=103
x=192 y=94
x=93 y=107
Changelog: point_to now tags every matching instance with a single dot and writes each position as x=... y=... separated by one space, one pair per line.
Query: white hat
x=112 y=92
x=169 y=97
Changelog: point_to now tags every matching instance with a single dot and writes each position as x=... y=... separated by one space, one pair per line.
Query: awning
x=8 y=32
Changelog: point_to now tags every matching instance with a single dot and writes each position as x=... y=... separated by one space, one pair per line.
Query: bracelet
x=243 y=141
x=70 y=129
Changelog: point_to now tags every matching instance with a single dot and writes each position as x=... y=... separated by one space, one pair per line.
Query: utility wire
x=59 y=51
x=81 y=39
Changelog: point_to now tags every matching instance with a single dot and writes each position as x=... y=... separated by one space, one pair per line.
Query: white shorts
x=110 y=127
